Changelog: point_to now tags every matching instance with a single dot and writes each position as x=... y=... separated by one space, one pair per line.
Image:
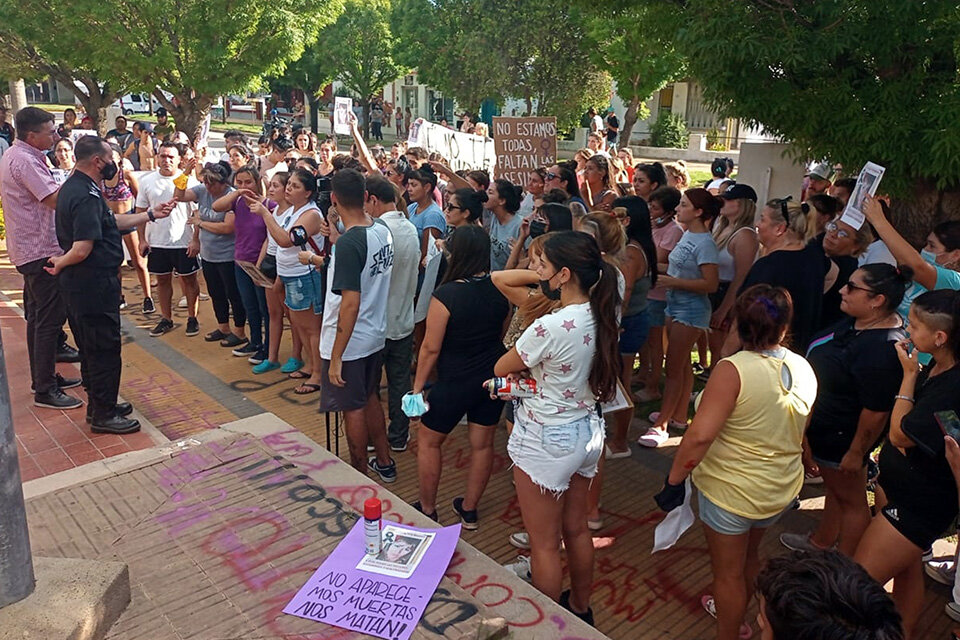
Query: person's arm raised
x=923 y=272
x=514 y=284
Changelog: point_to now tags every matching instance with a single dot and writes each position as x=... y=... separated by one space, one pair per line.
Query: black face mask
x=549 y=294
x=537 y=228
x=109 y=171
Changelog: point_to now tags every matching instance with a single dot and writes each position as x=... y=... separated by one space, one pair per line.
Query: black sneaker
x=231 y=340
x=115 y=424
x=63 y=383
x=387 y=474
x=164 y=326
x=399 y=448
x=148 y=307
x=246 y=350
x=468 y=518
x=57 y=399
x=123 y=303
x=259 y=356
x=419 y=507
x=193 y=327
x=123 y=410
x=587 y=616
x=66 y=353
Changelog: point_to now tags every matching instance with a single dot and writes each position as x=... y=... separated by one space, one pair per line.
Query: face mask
x=549 y=294
x=109 y=171
x=929 y=257
x=537 y=228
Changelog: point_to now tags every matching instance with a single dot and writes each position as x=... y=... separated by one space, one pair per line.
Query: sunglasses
x=449 y=206
x=551 y=176
x=850 y=284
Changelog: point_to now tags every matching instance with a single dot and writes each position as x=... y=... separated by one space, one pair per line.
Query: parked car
x=135 y=103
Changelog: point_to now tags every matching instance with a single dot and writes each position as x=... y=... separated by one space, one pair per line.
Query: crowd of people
x=829 y=351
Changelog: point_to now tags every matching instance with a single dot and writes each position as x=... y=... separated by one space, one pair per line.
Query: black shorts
x=361 y=380
x=716 y=298
x=828 y=449
x=162 y=261
x=451 y=399
x=922 y=529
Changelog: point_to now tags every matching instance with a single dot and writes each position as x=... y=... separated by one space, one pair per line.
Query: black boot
x=115 y=424
x=123 y=410
x=66 y=353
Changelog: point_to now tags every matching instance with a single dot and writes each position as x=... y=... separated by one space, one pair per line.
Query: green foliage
x=715 y=140
x=670 y=130
x=850 y=80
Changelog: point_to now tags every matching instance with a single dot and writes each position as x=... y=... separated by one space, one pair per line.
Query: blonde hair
x=800 y=218
x=612 y=238
x=619 y=169
x=585 y=153
x=746 y=218
x=678 y=171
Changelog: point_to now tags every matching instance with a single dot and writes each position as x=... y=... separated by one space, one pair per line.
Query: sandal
x=215 y=336
x=306 y=388
x=299 y=375
x=710 y=606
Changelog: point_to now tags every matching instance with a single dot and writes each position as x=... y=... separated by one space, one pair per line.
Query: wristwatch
x=150 y=215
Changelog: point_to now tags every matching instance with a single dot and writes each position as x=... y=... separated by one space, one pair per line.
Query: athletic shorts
x=922 y=529
x=729 y=523
x=552 y=454
x=450 y=400
x=361 y=380
x=161 y=261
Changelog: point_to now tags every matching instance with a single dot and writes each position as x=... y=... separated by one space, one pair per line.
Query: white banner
x=462 y=150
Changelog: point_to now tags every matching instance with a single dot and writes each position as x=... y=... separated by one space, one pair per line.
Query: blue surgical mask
x=929 y=257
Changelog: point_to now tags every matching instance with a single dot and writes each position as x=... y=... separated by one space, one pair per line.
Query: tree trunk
x=189 y=111
x=313 y=108
x=629 y=121
x=916 y=216
x=18 y=95
x=529 y=102
x=364 y=114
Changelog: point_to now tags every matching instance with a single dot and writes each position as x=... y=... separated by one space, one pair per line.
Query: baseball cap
x=146 y=126
x=160 y=112
x=821 y=171
x=738 y=191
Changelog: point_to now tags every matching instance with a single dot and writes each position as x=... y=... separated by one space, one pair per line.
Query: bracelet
x=150 y=215
x=907 y=398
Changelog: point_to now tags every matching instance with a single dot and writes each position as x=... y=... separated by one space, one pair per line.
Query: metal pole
x=16 y=564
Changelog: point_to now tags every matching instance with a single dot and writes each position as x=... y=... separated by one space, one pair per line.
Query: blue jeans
x=254 y=300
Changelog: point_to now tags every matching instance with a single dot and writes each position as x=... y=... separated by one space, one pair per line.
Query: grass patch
x=54 y=107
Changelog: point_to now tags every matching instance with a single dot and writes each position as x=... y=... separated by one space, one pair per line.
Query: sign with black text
x=522 y=145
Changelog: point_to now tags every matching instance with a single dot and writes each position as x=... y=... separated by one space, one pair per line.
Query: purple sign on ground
x=383 y=595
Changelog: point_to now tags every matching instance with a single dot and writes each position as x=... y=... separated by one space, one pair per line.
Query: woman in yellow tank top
x=743 y=450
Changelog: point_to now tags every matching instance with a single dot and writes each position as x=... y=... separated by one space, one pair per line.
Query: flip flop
x=299 y=375
x=708 y=604
x=306 y=388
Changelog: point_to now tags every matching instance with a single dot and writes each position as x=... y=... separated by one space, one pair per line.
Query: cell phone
x=949 y=423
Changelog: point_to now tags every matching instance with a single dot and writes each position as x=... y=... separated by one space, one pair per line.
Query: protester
x=842 y=189
x=856 y=364
x=599 y=188
x=164 y=129
x=563 y=178
x=464 y=207
x=719 y=172
x=647 y=178
x=302 y=282
x=169 y=244
x=918 y=501
x=121 y=198
x=550 y=216
x=743 y=450
x=533 y=197
x=823 y=594
x=677 y=175
x=142 y=152
x=70 y=122
x=238 y=156
x=503 y=200
x=7 y=131
x=595 y=143
x=692 y=275
x=123 y=135
x=29 y=194
x=576 y=346
x=423 y=212
x=381 y=203
x=612 y=130
x=89 y=233
x=842 y=244
x=63 y=159
x=818 y=179
x=303 y=144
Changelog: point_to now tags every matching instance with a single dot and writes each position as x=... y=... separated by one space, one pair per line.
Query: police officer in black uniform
x=89 y=234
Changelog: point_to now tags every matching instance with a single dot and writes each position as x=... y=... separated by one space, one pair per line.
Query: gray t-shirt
x=500 y=236
x=693 y=250
x=214 y=247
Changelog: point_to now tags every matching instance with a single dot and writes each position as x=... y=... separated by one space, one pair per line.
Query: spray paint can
x=372 y=511
x=508 y=389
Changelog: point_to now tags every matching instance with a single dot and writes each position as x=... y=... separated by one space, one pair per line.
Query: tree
x=310 y=74
x=360 y=47
x=629 y=43
x=850 y=81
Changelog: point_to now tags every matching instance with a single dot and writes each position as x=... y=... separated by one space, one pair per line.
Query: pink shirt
x=665 y=237
x=25 y=180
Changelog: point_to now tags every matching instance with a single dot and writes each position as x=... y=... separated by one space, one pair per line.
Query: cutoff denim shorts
x=551 y=454
x=691 y=309
x=303 y=292
x=728 y=523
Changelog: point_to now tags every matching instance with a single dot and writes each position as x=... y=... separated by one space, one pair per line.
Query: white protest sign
x=204 y=132
x=867 y=184
x=463 y=150
x=76 y=134
x=342 y=110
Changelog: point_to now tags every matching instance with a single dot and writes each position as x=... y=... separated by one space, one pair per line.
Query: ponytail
x=800 y=218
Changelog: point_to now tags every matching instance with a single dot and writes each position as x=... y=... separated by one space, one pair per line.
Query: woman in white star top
x=557 y=439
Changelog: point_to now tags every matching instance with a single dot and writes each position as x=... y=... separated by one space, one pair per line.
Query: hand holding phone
x=949 y=423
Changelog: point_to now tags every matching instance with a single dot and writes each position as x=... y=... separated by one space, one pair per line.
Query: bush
x=670 y=130
x=715 y=140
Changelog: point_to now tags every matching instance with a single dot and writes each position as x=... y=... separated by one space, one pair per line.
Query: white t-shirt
x=403 y=281
x=597 y=125
x=877 y=252
x=361 y=260
x=558 y=349
x=171 y=232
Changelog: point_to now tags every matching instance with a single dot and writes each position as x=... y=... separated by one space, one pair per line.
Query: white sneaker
x=953 y=610
x=521 y=540
x=521 y=567
x=942 y=571
x=653 y=438
x=204 y=296
x=183 y=303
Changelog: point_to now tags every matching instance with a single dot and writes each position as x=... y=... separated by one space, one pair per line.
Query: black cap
x=160 y=112
x=738 y=191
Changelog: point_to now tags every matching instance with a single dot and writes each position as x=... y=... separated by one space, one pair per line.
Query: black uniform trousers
x=93 y=308
x=45 y=314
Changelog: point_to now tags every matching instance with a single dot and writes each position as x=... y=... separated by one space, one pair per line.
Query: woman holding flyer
x=557 y=439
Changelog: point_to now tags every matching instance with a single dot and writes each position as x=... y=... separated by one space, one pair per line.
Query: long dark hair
x=655 y=173
x=639 y=229
x=569 y=180
x=471 y=201
x=579 y=253
x=469 y=248
x=559 y=216
x=510 y=193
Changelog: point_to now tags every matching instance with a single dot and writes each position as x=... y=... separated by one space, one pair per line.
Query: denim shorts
x=303 y=292
x=691 y=309
x=552 y=454
x=657 y=312
x=634 y=332
x=731 y=524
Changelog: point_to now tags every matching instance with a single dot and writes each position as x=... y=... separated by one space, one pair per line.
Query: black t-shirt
x=473 y=341
x=831 y=314
x=83 y=214
x=613 y=127
x=124 y=138
x=855 y=370
x=6 y=132
x=802 y=274
x=919 y=479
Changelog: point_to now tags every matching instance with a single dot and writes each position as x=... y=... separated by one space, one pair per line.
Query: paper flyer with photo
x=366 y=594
x=255 y=274
x=867 y=183
x=342 y=110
